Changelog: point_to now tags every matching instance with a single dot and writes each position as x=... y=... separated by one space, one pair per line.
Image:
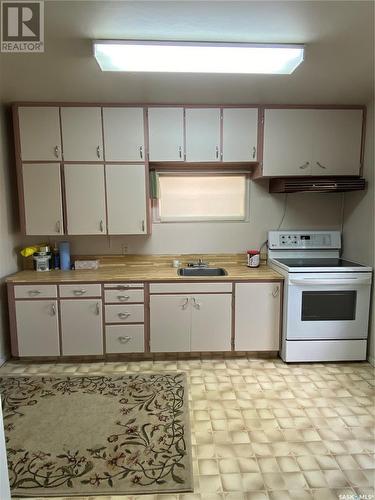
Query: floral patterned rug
x=97 y=435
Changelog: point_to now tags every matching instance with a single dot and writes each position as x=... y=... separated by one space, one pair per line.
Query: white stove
x=326 y=298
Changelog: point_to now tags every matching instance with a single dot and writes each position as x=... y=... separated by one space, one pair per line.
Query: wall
x=359 y=216
x=8 y=225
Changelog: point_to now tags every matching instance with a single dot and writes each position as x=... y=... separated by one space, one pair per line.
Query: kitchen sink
x=202 y=271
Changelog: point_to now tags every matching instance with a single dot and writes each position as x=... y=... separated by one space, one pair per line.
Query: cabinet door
x=170 y=322
x=288 y=142
x=81 y=327
x=85 y=199
x=337 y=142
x=40 y=136
x=126 y=199
x=166 y=134
x=240 y=134
x=82 y=133
x=211 y=322
x=124 y=136
x=202 y=134
x=257 y=317
x=37 y=328
x=42 y=198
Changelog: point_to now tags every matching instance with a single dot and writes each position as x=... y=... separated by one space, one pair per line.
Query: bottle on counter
x=55 y=258
x=64 y=250
x=253 y=258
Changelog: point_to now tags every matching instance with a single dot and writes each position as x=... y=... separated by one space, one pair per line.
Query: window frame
x=157 y=219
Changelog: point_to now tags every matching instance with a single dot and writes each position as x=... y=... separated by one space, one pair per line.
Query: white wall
x=359 y=232
x=8 y=227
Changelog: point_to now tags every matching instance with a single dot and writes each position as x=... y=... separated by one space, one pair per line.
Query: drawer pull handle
x=125 y=340
x=254 y=152
x=123 y=287
x=185 y=303
x=34 y=293
x=57 y=151
x=275 y=292
x=53 y=310
x=97 y=310
x=79 y=292
x=196 y=304
x=123 y=298
x=305 y=165
x=98 y=152
x=123 y=315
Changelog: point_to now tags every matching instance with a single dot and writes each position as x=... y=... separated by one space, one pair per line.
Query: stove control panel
x=304 y=240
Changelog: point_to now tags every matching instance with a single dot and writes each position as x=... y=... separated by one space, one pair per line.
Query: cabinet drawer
x=123 y=286
x=124 y=314
x=34 y=291
x=80 y=290
x=124 y=338
x=190 y=287
x=121 y=296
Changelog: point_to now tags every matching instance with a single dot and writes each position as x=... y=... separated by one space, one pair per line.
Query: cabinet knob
x=123 y=315
x=320 y=165
x=34 y=293
x=97 y=309
x=254 y=152
x=217 y=152
x=185 y=303
x=81 y=291
x=180 y=152
x=125 y=340
x=305 y=165
x=141 y=152
x=196 y=304
x=123 y=298
x=275 y=291
x=98 y=152
x=101 y=226
x=53 y=310
x=143 y=226
x=58 y=227
x=57 y=151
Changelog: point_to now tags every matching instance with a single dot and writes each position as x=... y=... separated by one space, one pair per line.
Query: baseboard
x=371 y=360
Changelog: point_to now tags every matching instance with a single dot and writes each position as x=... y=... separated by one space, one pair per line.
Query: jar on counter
x=253 y=258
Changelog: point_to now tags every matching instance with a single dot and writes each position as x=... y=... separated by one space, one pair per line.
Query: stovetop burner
x=318 y=262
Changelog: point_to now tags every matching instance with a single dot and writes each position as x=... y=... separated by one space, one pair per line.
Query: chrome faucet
x=199 y=263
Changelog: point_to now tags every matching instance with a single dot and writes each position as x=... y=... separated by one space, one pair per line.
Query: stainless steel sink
x=202 y=271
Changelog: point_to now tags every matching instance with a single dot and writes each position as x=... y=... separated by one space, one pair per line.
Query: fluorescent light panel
x=197 y=57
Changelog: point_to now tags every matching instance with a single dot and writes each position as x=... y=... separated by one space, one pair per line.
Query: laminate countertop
x=132 y=268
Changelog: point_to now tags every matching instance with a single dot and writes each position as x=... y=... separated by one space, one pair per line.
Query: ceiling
x=338 y=66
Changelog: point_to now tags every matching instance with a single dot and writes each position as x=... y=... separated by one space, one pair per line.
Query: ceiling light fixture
x=197 y=57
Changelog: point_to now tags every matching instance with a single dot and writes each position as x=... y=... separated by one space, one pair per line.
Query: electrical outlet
x=124 y=249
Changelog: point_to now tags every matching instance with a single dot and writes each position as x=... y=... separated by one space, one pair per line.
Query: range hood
x=316 y=184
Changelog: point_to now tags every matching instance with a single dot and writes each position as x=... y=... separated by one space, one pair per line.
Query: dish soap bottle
x=56 y=257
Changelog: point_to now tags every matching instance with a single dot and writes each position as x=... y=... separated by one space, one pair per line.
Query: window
x=201 y=197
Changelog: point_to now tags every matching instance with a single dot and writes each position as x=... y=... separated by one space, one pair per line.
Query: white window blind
x=201 y=197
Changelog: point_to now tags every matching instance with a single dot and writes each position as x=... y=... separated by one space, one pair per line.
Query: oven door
x=327 y=306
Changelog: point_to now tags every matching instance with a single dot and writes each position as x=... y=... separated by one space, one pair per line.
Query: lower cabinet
x=182 y=323
x=257 y=316
x=124 y=339
x=81 y=327
x=37 y=328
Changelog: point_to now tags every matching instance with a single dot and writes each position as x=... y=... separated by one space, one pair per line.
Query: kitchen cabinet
x=211 y=322
x=85 y=199
x=124 y=136
x=82 y=133
x=81 y=327
x=170 y=323
x=42 y=199
x=240 y=134
x=257 y=314
x=312 y=142
x=202 y=134
x=166 y=134
x=126 y=199
x=192 y=322
x=37 y=327
x=39 y=129
x=124 y=338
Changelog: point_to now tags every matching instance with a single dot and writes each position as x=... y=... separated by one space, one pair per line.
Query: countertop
x=134 y=268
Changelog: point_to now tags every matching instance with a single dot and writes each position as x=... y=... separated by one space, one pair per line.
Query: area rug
x=97 y=435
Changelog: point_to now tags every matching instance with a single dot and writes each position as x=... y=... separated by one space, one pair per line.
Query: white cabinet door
x=126 y=199
x=287 y=142
x=337 y=142
x=257 y=317
x=42 y=198
x=170 y=323
x=211 y=322
x=37 y=328
x=82 y=133
x=85 y=199
x=202 y=134
x=81 y=327
x=40 y=136
x=124 y=136
x=240 y=134
x=166 y=134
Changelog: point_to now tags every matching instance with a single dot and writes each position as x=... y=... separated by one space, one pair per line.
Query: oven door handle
x=333 y=281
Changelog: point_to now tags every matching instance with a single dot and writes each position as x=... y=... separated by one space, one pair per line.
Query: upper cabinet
x=240 y=134
x=39 y=130
x=124 y=136
x=82 y=133
x=312 y=142
x=166 y=134
x=202 y=134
